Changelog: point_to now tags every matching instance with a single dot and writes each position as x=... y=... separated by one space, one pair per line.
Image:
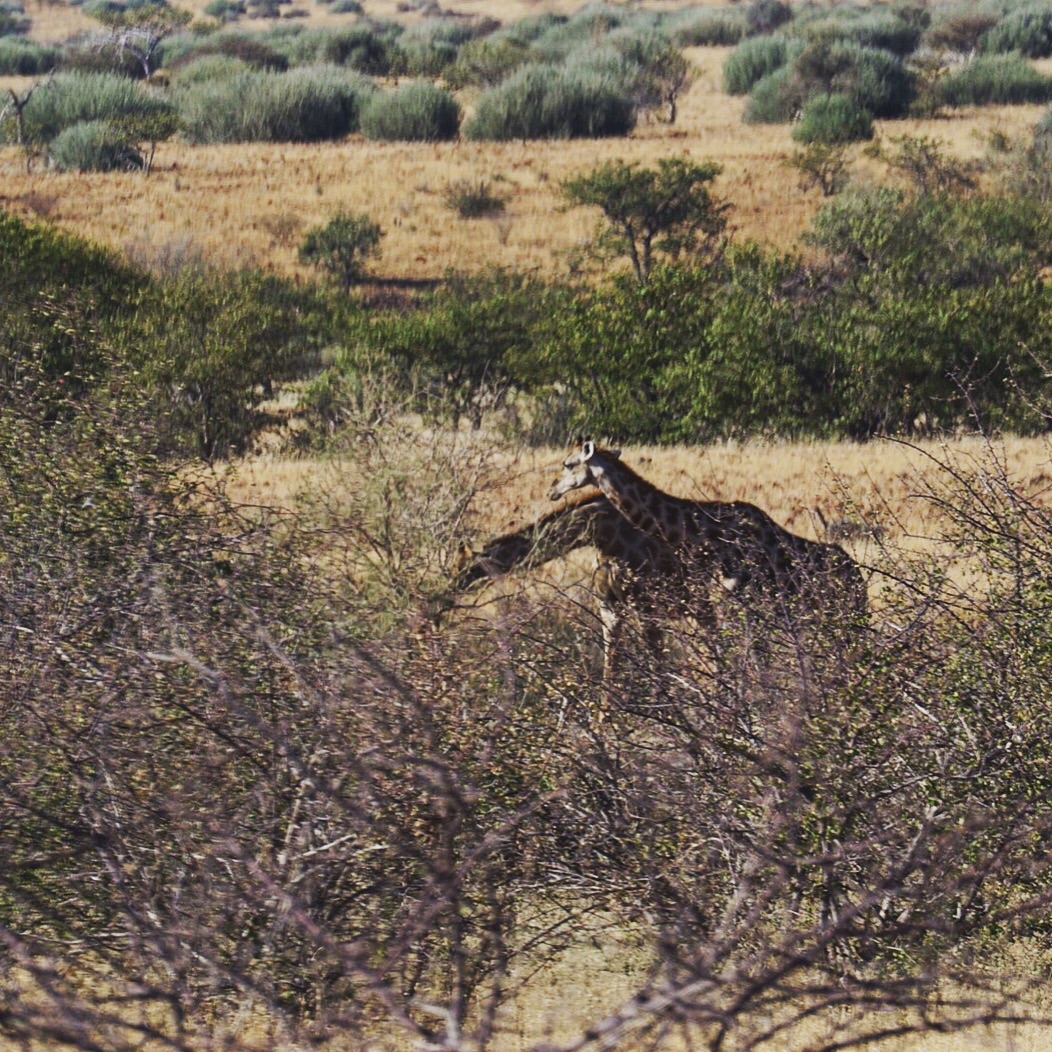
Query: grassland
x=248 y=205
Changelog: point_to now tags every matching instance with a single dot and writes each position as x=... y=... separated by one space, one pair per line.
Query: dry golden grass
x=249 y=204
x=882 y=483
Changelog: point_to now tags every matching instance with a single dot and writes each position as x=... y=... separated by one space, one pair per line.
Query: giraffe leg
x=613 y=627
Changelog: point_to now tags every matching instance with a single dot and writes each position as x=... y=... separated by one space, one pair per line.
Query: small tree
x=823 y=165
x=341 y=246
x=139 y=31
x=668 y=208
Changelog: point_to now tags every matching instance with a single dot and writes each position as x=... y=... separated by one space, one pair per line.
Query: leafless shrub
x=246 y=778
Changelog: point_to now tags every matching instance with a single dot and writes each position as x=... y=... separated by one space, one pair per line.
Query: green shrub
x=776 y=99
x=304 y=105
x=765 y=16
x=342 y=246
x=429 y=47
x=887 y=30
x=539 y=102
x=751 y=61
x=92 y=146
x=1027 y=30
x=79 y=98
x=958 y=31
x=225 y=10
x=207 y=69
x=347 y=7
x=485 y=63
x=418 y=112
x=708 y=28
x=875 y=79
x=254 y=52
x=831 y=119
x=994 y=79
x=359 y=48
x=106 y=57
x=27 y=58
x=13 y=20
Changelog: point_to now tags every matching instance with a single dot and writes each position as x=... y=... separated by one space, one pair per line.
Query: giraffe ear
x=587 y=450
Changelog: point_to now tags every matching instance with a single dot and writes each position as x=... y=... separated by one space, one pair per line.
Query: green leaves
x=341 y=247
x=664 y=209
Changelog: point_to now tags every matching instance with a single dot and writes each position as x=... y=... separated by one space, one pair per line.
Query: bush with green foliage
x=93 y=146
x=1027 y=31
x=474 y=341
x=60 y=294
x=486 y=62
x=208 y=349
x=873 y=78
x=765 y=16
x=894 y=31
x=707 y=27
x=994 y=79
x=78 y=98
x=341 y=246
x=311 y=104
x=776 y=99
x=667 y=209
x=13 y=20
x=208 y=69
x=833 y=119
x=225 y=10
x=958 y=30
x=417 y=112
x=27 y=58
x=429 y=47
x=361 y=48
x=541 y=102
x=752 y=60
x=245 y=47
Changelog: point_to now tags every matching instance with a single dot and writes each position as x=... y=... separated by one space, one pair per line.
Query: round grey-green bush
x=418 y=112
x=832 y=119
x=544 y=102
x=92 y=146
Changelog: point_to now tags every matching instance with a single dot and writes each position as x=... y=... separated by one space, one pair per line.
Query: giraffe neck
x=640 y=502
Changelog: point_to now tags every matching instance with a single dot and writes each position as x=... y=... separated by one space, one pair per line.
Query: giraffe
x=736 y=544
x=630 y=567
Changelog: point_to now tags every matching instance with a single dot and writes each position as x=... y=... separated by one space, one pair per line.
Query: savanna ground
x=246 y=205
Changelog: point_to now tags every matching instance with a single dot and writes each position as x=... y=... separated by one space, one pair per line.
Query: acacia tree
x=647 y=210
x=141 y=30
x=341 y=246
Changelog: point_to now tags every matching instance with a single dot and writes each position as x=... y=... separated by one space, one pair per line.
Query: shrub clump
x=774 y=100
x=751 y=61
x=994 y=79
x=26 y=58
x=542 y=102
x=305 y=105
x=418 y=112
x=84 y=98
x=93 y=146
x=1027 y=30
x=874 y=78
x=473 y=198
x=832 y=119
x=708 y=28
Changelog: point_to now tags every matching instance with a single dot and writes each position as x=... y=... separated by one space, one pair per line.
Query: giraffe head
x=577 y=468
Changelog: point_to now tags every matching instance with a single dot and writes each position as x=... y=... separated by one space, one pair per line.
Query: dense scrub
x=246 y=773
x=927 y=310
